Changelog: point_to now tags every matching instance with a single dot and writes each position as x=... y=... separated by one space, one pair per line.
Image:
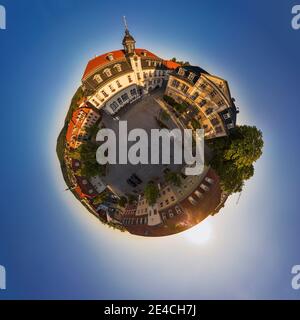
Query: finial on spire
x=125 y=23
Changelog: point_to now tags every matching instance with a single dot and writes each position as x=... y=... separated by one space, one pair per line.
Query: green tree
x=100 y=198
x=246 y=147
x=234 y=157
x=151 y=192
x=122 y=202
x=173 y=177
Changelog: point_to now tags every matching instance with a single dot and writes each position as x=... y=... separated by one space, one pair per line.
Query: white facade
x=98 y=184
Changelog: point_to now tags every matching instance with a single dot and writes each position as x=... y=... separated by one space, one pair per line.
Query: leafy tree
x=151 y=193
x=246 y=148
x=234 y=157
x=100 y=198
x=173 y=177
x=122 y=201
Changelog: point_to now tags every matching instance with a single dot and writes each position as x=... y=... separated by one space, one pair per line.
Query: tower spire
x=128 y=40
x=125 y=24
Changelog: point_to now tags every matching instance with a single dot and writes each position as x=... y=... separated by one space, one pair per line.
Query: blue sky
x=52 y=248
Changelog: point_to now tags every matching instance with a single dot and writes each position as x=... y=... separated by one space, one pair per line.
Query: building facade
x=207 y=98
x=115 y=79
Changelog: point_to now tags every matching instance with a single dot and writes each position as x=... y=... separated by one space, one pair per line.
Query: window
x=104 y=94
x=226 y=116
x=114 y=106
x=125 y=97
x=184 y=88
x=118 y=67
x=145 y=75
x=110 y=57
x=215 y=121
x=220 y=103
x=213 y=93
x=138 y=76
x=209 y=111
x=107 y=72
x=195 y=95
x=191 y=76
x=97 y=78
x=118 y=84
x=129 y=79
x=133 y=92
x=181 y=71
x=119 y=100
x=202 y=103
x=149 y=63
x=203 y=86
x=230 y=125
x=175 y=83
x=112 y=89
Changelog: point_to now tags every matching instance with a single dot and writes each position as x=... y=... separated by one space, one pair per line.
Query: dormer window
x=181 y=71
x=110 y=57
x=191 y=76
x=118 y=67
x=98 y=78
x=107 y=72
x=226 y=116
x=144 y=54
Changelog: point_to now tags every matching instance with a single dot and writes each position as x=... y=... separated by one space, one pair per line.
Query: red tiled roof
x=74 y=124
x=117 y=55
x=101 y=60
x=171 y=64
x=82 y=190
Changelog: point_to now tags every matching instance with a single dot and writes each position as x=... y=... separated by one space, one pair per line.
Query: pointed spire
x=125 y=24
x=128 y=40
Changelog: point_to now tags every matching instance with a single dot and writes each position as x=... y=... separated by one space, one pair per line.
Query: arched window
x=181 y=71
x=110 y=57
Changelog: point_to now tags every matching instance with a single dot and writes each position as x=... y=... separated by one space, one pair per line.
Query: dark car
x=131 y=183
x=136 y=179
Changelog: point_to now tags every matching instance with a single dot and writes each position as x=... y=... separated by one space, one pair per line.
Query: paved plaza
x=141 y=114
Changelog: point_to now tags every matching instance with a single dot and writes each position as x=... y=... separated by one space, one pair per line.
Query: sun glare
x=200 y=234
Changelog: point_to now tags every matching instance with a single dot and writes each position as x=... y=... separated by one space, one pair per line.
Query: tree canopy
x=234 y=157
x=151 y=193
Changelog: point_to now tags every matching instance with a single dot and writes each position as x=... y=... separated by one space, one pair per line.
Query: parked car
x=136 y=179
x=131 y=183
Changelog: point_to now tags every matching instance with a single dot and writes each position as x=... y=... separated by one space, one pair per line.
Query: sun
x=200 y=234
